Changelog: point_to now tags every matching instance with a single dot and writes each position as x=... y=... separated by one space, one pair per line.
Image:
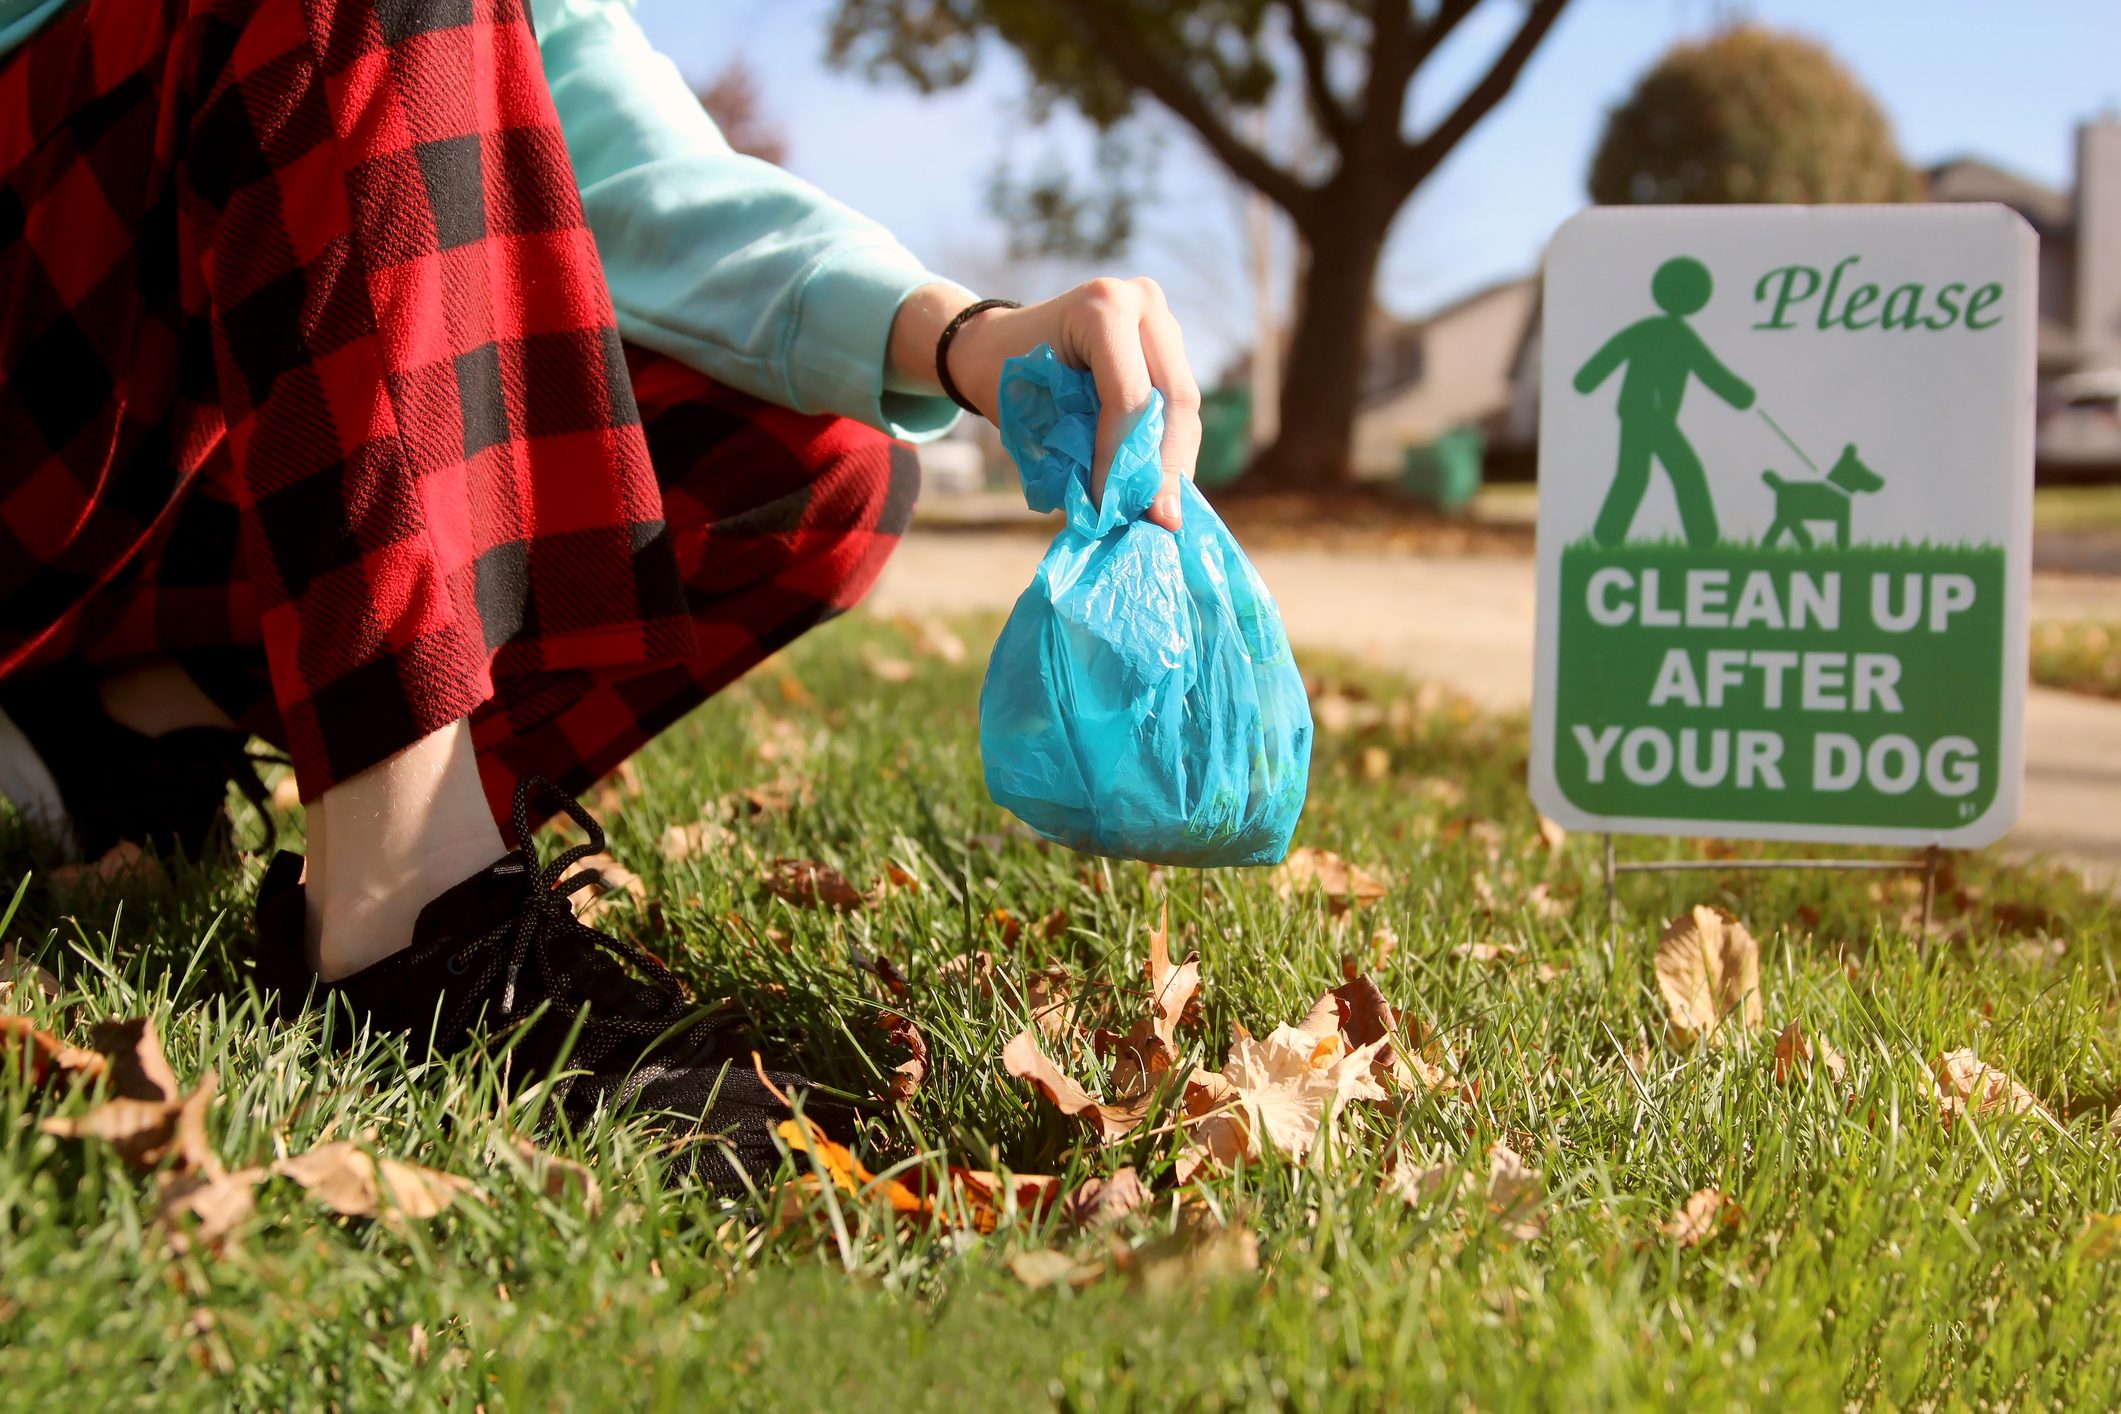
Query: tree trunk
x=1323 y=374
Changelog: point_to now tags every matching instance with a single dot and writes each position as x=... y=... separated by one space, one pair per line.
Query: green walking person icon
x=1661 y=353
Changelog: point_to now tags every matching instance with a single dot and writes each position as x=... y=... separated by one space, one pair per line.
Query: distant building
x=1454 y=368
x=1476 y=362
x=2080 y=290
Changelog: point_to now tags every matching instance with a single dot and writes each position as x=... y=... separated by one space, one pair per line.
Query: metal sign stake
x=1927 y=865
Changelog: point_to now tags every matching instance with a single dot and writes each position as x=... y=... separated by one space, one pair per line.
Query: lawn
x=1871 y=1251
x=2079 y=656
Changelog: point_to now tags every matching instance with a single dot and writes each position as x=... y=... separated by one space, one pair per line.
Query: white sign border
x=2002 y=813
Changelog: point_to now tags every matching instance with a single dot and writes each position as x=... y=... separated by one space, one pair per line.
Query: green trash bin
x=1445 y=473
x=1225 y=437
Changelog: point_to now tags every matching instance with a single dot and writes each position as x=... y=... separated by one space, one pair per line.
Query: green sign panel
x=1785 y=476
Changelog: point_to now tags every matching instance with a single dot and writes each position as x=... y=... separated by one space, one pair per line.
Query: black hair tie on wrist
x=942 y=349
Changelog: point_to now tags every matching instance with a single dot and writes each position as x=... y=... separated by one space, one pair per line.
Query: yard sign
x=1785 y=507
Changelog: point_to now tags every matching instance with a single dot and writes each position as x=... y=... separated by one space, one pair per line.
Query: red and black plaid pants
x=310 y=384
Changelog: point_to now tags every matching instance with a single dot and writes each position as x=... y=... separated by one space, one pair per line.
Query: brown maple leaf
x=1112 y=1121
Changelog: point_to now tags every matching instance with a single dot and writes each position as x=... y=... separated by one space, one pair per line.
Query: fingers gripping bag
x=1142 y=701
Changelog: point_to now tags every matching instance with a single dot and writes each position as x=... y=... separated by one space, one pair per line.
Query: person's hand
x=1121 y=330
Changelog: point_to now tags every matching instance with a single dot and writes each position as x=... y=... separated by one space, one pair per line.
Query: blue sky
x=2007 y=79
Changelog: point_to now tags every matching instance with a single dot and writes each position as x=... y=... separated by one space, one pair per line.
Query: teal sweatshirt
x=725 y=263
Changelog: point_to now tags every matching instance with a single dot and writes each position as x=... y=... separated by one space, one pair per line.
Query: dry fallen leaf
x=1552 y=837
x=701 y=837
x=1796 y=1053
x=125 y=865
x=1293 y=1083
x=844 y=1170
x=287 y=793
x=814 y=885
x=138 y=1070
x=887 y=668
x=909 y=1074
x=1343 y=884
x=148 y=1118
x=1383 y=943
x=616 y=885
x=970 y=1198
x=1045 y=1267
x=2102 y=1235
x=1336 y=710
x=609 y=796
x=1202 y=1250
x=1105 y=1200
x=978 y=1198
x=145 y=1132
x=1708 y=968
x=775 y=797
x=1705 y=1213
x=18 y=972
x=1146 y=1053
x=560 y=1176
x=1515 y=1194
x=218 y=1203
x=1023 y=1060
x=934 y=639
x=47 y=1057
x=350 y=1180
x=1965 y=1084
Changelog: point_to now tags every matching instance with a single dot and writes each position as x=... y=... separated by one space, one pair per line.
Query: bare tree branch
x=1392 y=64
x=1170 y=87
x=1439 y=27
x=1318 y=83
x=1422 y=157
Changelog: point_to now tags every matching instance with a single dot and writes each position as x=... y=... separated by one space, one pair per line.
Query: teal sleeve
x=726 y=263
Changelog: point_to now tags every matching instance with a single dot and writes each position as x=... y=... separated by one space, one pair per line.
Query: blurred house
x=2080 y=292
x=1454 y=368
x=1475 y=363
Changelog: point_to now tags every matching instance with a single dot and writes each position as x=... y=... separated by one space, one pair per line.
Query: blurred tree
x=1208 y=63
x=733 y=101
x=1749 y=115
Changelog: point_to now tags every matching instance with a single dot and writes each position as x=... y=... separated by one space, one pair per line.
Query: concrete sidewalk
x=1466 y=623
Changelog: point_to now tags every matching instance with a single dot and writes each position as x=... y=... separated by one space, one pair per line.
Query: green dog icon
x=1828 y=500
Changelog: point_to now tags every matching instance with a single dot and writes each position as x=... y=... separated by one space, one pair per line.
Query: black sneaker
x=503 y=952
x=88 y=783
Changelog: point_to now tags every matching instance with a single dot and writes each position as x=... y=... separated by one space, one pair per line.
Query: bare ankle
x=387 y=842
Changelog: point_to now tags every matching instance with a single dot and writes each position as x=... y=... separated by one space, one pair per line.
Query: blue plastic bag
x=1142 y=701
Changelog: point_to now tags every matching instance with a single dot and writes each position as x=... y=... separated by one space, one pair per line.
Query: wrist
x=969 y=356
x=920 y=321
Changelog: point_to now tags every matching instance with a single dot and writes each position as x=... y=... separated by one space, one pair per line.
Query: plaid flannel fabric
x=301 y=328
x=312 y=387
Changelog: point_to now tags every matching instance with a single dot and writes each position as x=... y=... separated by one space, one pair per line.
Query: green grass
x=2080 y=656
x=1884 y=1259
x=2077 y=508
